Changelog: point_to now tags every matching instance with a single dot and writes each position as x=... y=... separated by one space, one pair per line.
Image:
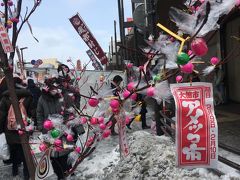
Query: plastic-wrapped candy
x=208 y=70
x=72 y=157
x=190 y=23
x=56 y=119
x=163 y=92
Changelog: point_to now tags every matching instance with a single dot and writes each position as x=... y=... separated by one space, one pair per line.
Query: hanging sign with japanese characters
x=82 y=29
x=5 y=41
x=95 y=63
x=196 y=125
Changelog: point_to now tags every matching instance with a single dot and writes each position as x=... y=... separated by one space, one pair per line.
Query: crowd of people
x=39 y=103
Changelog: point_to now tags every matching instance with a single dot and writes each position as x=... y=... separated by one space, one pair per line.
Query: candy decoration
x=94 y=121
x=179 y=79
x=150 y=91
x=129 y=65
x=131 y=86
x=83 y=120
x=20 y=132
x=157 y=78
x=126 y=93
x=69 y=138
x=114 y=104
x=42 y=147
x=78 y=149
x=134 y=97
x=109 y=124
x=55 y=133
x=182 y=58
x=58 y=142
x=187 y=68
x=127 y=120
x=102 y=126
x=101 y=120
x=237 y=2
x=93 y=102
x=199 y=47
x=115 y=110
x=106 y=133
x=48 y=125
x=214 y=60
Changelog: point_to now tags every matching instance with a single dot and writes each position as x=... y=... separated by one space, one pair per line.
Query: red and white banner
x=196 y=125
x=5 y=41
x=82 y=29
x=124 y=148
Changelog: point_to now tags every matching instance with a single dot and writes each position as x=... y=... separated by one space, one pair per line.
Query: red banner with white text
x=196 y=125
x=82 y=29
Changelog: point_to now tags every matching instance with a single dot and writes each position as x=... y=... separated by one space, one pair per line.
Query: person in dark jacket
x=12 y=136
x=50 y=103
x=115 y=86
x=36 y=93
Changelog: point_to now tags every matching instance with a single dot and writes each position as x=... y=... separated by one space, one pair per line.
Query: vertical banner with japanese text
x=95 y=63
x=123 y=145
x=82 y=29
x=196 y=125
x=5 y=41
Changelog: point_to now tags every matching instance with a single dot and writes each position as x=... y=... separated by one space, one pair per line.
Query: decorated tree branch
x=10 y=19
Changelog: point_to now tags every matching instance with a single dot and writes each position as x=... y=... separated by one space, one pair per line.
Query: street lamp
x=22 y=62
x=21 y=49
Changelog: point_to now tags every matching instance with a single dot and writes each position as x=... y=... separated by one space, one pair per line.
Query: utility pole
x=121 y=27
x=115 y=43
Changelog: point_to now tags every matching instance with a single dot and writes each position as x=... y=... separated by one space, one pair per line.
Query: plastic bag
x=4 y=151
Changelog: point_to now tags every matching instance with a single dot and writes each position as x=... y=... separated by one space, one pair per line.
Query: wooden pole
x=31 y=164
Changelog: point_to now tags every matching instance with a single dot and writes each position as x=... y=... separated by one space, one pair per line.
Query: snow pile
x=153 y=157
x=101 y=161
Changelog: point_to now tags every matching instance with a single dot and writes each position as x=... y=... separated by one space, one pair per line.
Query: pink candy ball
x=127 y=120
x=131 y=86
x=141 y=68
x=93 y=102
x=237 y=2
x=199 y=47
x=187 y=68
x=78 y=78
x=94 y=121
x=78 y=149
x=115 y=110
x=150 y=91
x=20 y=132
x=109 y=124
x=179 y=79
x=106 y=133
x=214 y=60
x=114 y=104
x=42 y=147
x=69 y=138
x=83 y=120
x=126 y=93
x=48 y=125
x=90 y=140
x=101 y=120
x=190 y=52
x=134 y=97
x=58 y=142
x=102 y=126
x=129 y=65
x=58 y=149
